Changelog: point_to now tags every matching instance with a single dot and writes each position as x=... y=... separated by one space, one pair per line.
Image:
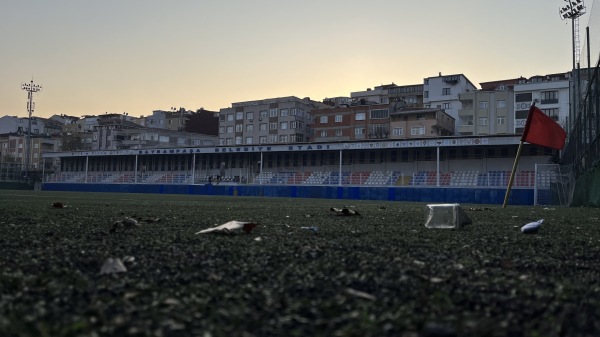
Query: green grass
x=486 y=279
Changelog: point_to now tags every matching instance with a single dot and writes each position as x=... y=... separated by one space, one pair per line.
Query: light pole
x=30 y=88
x=572 y=10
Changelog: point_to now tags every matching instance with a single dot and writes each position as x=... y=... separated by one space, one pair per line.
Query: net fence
x=554 y=184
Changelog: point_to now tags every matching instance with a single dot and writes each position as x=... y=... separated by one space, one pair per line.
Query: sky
x=136 y=56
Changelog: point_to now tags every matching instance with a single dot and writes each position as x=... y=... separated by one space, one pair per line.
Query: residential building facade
x=356 y=122
x=442 y=92
x=408 y=95
x=13 y=149
x=550 y=94
x=268 y=121
x=488 y=111
x=380 y=121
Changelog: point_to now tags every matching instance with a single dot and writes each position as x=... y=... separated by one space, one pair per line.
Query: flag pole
x=512 y=174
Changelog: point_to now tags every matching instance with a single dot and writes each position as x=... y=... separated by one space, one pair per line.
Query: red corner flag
x=543 y=130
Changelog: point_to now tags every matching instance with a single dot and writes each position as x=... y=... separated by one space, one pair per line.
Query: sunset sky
x=136 y=56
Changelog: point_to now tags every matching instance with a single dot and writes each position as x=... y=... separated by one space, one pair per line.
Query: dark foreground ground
x=382 y=274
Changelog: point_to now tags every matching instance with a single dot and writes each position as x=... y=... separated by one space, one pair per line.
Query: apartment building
x=140 y=138
x=10 y=124
x=488 y=111
x=407 y=123
x=108 y=134
x=13 y=149
x=170 y=120
x=442 y=92
x=356 y=122
x=268 y=121
x=409 y=95
x=550 y=94
x=380 y=121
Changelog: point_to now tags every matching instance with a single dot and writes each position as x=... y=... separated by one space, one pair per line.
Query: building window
x=360 y=116
x=272 y=126
x=264 y=113
x=379 y=114
x=446 y=91
x=272 y=112
x=239 y=116
x=552 y=113
x=524 y=97
x=420 y=117
x=283 y=138
x=283 y=112
x=338 y=132
x=323 y=133
x=501 y=104
x=549 y=97
x=283 y=125
x=466 y=120
x=500 y=120
x=239 y=127
x=521 y=114
x=426 y=94
x=250 y=128
x=338 y=118
x=417 y=130
x=323 y=120
x=230 y=129
x=238 y=140
x=483 y=121
x=262 y=139
x=397 y=131
x=483 y=105
x=293 y=112
x=446 y=106
x=229 y=141
x=248 y=140
x=297 y=125
x=272 y=139
x=359 y=131
x=221 y=129
x=229 y=117
x=250 y=116
x=378 y=131
x=262 y=127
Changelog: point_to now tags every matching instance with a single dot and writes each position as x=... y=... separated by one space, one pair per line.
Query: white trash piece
x=445 y=216
x=532 y=227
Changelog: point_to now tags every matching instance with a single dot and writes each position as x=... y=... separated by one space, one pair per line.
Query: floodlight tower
x=30 y=88
x=573 y=10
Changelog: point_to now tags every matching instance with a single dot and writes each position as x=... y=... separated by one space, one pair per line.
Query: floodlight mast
x=30 y=88
x=572 y=11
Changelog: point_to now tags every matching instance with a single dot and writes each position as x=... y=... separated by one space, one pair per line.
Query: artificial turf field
x=381 y=274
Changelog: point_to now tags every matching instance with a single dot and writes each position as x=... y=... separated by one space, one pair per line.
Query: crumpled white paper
x=532 y=227
x=230 y=227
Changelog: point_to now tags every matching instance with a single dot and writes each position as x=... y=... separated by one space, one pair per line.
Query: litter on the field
x=445 y=216
x=230 y=227
x=532 y=227
x=344 y=211
x=113 y=266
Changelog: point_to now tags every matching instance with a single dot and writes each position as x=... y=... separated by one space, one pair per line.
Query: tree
x=71 y=142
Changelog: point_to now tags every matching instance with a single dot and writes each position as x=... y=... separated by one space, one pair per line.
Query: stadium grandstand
x=447 y=169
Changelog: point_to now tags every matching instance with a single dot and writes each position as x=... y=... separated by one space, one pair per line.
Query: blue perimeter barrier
x=518 y=196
